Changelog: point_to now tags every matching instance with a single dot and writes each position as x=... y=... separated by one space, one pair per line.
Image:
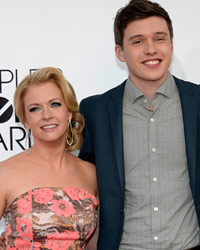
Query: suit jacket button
x=121 y=210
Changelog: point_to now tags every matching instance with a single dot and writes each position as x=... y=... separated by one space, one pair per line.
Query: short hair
x=137 y=10
x=50 y=74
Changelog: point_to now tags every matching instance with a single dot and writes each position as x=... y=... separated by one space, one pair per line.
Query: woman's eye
x=55 y=104
x=33 y=109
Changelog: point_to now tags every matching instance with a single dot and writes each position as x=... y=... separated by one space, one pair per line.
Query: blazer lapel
x=114 y=111
x=189 y=104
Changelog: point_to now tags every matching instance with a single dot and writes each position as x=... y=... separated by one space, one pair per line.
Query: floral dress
x=51 y=218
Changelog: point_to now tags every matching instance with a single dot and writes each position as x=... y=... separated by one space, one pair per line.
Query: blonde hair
x=50 y=74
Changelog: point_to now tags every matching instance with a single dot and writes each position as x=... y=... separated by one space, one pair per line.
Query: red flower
x=62 y=207
x=24 y=205
x=43 y=195
x=23 y=244
x=24 y=227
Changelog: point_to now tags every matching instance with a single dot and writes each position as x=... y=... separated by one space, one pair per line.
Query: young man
x=144 y=138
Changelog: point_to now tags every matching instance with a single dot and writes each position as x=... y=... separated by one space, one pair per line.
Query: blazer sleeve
x=86 y=151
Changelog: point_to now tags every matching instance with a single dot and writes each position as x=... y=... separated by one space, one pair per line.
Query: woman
x=48 y=196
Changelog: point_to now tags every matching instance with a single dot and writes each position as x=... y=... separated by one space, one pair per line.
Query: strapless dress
x=56 y=218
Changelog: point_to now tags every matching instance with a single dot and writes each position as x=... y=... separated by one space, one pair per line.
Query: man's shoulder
x=186 y=84
x=118 y=90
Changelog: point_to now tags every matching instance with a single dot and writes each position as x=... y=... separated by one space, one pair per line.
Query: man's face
x=147 y=50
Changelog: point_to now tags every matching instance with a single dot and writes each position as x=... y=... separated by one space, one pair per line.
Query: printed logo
x=6 y=110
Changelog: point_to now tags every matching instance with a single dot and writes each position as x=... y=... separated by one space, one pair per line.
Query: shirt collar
x=167 y=89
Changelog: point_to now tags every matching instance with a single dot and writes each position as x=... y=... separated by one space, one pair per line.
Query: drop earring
x=69 y=142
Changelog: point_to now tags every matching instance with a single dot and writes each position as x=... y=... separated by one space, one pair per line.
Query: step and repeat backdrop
x=76 y=37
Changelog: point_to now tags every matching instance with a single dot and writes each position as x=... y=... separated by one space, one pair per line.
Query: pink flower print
x=11 y=248
x=62 y=207
x=64 y=240
x=91 y=207
x=77 y=193
x=43 y=195
x=24 y=227
x=72 y=193
x=37 y=245
x=94 y=200
x=24 y=205
x=23 y=244
x=8 y=230
x=91 y=232
x=56 y=244
x=66 y=235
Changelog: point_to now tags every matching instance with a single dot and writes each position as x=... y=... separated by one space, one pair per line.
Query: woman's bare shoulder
x=89 y=169
x=11 y=162
x=85 y=165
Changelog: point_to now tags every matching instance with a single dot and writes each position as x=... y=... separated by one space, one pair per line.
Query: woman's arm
x=2 y=189
x=2 y=241
x=92 y=243
x=2 y=203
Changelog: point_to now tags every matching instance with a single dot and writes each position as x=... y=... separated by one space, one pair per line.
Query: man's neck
x=148 y=88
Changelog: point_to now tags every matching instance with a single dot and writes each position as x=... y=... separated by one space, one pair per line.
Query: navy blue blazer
x=103 y=146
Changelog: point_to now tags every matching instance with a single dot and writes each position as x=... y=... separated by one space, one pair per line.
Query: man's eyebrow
x=135 y=36
x=161 y=33
x=140 y=35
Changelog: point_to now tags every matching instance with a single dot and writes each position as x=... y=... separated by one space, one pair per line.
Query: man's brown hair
x=137 y=10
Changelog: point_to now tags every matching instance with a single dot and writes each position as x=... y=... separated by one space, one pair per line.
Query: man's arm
x=86 y=152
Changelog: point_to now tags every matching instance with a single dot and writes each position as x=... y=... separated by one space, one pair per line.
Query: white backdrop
x=77 y=37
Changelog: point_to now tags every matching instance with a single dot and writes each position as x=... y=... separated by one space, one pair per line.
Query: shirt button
x=155 y=238
x=153 y=150
x=155 y=209
x=145 y=100
x=152 y=119
x=155 y=179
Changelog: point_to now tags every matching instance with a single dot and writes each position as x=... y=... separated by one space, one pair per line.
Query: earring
x=69 y=143
x=28 y=142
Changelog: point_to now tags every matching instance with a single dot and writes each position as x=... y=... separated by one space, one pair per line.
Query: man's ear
x=119 y=53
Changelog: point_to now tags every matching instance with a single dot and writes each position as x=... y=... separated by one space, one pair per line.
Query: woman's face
x=46 y=113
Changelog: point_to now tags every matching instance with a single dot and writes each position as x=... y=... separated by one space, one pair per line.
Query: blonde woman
x=49 y=198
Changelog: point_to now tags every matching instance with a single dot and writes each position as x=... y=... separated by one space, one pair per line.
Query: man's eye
x=137 y=42
x=55 y=104
x=159 y=39
x=33 y=109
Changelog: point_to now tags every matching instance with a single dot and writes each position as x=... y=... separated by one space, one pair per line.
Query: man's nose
x=150 y=48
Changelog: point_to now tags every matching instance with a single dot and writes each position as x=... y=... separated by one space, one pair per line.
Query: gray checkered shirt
x=159 y=209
